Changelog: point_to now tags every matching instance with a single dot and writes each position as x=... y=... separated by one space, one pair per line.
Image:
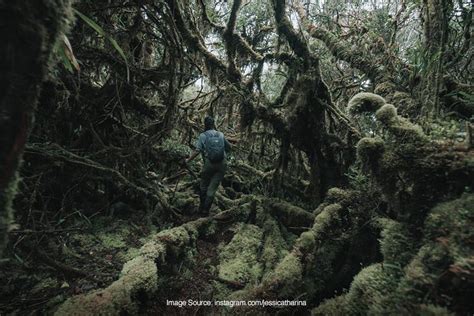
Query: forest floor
x=248 y=246
x=192 y=283
x=91 y=254
x=70 y=262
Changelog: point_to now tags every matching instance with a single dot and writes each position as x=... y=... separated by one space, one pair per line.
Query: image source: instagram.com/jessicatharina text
x=235 y=303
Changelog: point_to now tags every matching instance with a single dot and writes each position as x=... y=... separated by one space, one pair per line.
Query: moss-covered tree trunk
x=435 y=28
x=28 y=32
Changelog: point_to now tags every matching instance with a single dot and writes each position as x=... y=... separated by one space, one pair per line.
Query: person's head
x=208 y=123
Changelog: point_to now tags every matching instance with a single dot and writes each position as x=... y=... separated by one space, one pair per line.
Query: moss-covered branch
x=290 y=215
x=343 y=51
x=285 y=28
x=432 y=278
x=140 y=275
x=139 y=278
x=228 y=36
x=193 y=41
x=240 y=43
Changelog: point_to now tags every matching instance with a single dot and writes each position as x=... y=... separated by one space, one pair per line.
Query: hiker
x=213 y=147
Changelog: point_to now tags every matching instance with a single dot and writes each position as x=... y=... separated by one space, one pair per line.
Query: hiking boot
x=206 y=206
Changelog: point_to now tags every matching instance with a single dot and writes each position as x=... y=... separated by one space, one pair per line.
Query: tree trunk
x=435 y=28
x=28 y=32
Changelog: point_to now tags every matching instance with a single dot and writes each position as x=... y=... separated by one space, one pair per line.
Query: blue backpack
x=214 y=146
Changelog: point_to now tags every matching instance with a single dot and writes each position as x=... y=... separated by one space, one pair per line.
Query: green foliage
x=357 y=178
x=262 y=255
x=452 y=130
x=63 y=49
x=421 y=60
x=468 y=98
x=109 y=38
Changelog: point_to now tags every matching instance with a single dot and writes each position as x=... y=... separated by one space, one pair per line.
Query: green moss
x=385 y=88
x=320 y=208
x=365 y=102
x=140 y=272
x=112 y=241
x=386 y=113
x=275 y=246
x=211 y=229
x=404 y=101
x=288 y=275
x=239 y=258
x=420 y=278
x=397 y=245
x=372 y=293
x=324 y=246
x=341 y=196
x=184 y=201
x=6 y=211
x=328 y=217
x=174 y=150
x=307 y=241
x=398 y=126
x=138 y=276
x=433 y=310
x=451 y=219
x=369 y=150
x=408 y=281
x=177 y=236
x=446 y=256
x=222 y=292
x=129 y=254
x=407 y=131
x=369 y=289
x=44 y=284
x=290 y=215
x=333 y=307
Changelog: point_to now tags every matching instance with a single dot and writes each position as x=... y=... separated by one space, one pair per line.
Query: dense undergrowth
x=349 y=187
x=398 y=239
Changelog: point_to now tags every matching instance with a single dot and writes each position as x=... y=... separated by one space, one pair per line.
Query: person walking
x=214 y=148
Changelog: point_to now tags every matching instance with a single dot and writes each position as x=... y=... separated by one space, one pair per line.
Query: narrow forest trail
x=193 y=283
x=227 y=260
x=201 y=261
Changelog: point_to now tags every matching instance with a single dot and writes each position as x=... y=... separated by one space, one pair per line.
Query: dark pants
x=211 y=176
